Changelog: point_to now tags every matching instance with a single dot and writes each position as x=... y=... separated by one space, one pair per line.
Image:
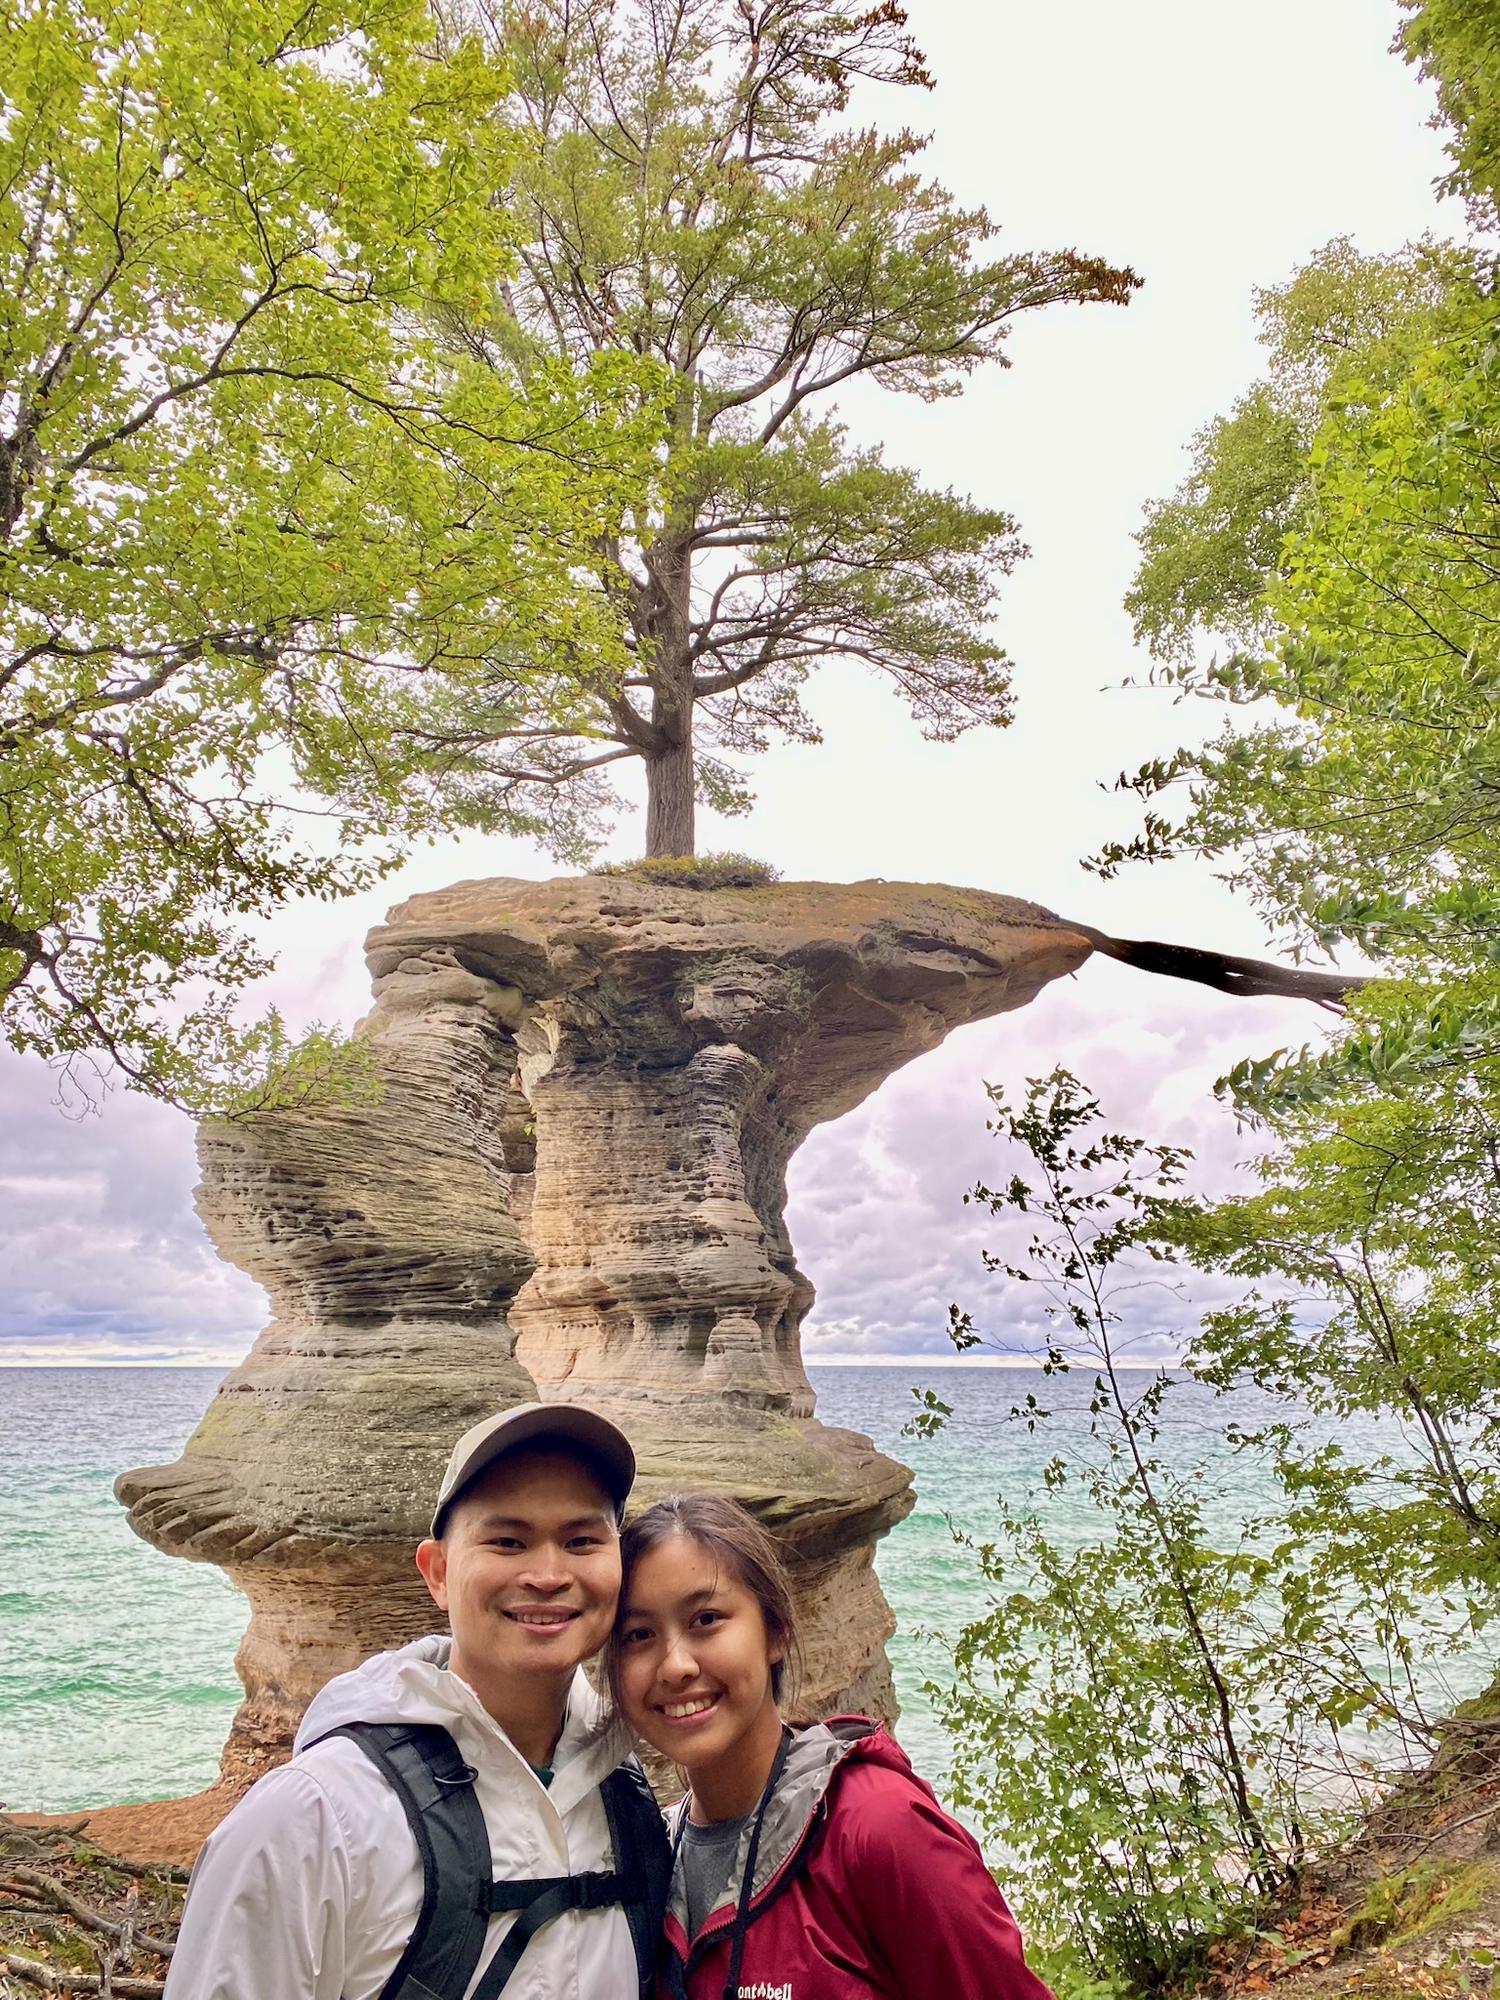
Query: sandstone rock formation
x=385 y=1236
x=572 y=1183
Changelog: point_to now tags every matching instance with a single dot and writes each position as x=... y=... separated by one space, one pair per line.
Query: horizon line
x=63 y=1364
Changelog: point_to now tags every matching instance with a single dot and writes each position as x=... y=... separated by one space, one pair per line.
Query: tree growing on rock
x=690 y=192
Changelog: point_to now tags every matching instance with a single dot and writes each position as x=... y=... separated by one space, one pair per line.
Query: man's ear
x=432 y=1561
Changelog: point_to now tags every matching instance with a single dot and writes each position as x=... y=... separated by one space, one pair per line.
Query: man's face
x=528 y=1569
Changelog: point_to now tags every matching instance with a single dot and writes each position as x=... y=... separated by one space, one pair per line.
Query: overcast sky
x=1211 y=146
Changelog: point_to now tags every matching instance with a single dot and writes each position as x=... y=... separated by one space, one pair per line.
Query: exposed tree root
x=1246 y=978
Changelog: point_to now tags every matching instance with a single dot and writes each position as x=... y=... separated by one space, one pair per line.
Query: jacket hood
x=817 y=1756
x=411 y=1684
x=414 y=1684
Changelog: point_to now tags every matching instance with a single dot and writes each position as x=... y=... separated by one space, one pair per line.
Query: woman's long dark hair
x=741 y=1548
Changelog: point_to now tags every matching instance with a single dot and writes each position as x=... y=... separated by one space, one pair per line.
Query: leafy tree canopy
x=1352 y=795
x=253 y=515
x=1359 y=800
x=1338 y=531
x=1209 y=551
x=1454 y=44
x=691 y=192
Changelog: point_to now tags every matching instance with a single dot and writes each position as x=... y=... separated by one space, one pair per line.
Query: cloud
x=877 y=1212
x=104 y=1257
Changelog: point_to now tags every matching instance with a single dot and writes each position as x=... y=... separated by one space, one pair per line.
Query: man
x=313 y=1887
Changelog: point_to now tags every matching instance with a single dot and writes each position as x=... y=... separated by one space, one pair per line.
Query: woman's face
x=695 y=1660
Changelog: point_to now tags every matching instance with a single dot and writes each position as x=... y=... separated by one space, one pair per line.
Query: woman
x=810 y=1863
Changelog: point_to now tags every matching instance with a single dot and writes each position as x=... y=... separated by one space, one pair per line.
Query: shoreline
x=165 y=1830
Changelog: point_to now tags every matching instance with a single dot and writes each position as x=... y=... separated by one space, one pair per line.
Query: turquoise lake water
x=116 y=1663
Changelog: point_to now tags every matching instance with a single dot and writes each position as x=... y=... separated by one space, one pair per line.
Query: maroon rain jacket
x=863 y=1887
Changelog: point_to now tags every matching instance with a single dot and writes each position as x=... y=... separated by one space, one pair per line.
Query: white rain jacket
x=310 y=1888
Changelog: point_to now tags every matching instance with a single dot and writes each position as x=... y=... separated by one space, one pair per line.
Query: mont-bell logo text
x=764 y=1989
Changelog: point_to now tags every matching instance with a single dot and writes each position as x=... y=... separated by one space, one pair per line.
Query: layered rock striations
x=386 y=1236
x=572 y=1183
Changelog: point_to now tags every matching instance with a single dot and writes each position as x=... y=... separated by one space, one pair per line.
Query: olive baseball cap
x=569 y=1426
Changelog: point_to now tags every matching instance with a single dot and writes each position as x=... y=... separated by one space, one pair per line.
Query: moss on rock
x=1402 y=1906
x=696 y=871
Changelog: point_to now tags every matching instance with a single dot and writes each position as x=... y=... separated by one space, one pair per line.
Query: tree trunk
x=669 y=798
x=670 y=828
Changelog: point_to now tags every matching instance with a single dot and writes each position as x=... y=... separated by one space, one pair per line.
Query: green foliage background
x=257 y=522
x=1327 y=576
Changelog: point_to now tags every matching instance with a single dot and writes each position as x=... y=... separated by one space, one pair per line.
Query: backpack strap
x=638 y=1841
x=539 y=1899
x=638 y=1884
x=422 y=1765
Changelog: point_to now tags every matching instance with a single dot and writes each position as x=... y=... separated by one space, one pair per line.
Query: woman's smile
x=690 y=1709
